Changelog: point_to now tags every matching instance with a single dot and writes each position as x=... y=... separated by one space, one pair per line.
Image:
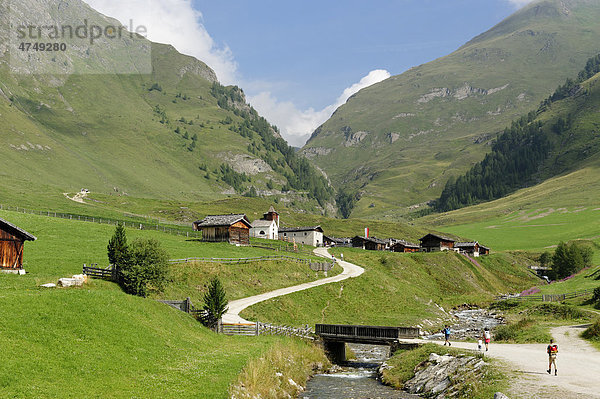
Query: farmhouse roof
x=338 y=240
x=371 y=239
x=223 y=220
x=406 y=244
x=439 y=237
x=262 y=223
x=16 y=231
x=465 y=244
x=297 y=229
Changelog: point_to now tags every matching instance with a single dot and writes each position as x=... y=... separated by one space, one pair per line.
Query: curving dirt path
x=578 y=366
x=235 y=307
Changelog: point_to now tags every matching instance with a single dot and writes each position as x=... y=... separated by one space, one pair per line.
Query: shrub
x=569 y=259
x=145 y=269
x=510 y=332
x=592 y=332
x=596 y=297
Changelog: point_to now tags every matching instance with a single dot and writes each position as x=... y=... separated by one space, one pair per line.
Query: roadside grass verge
x=592 y=334
x=281 y=371
x=398 y=289
x=404 y=363
x=531 y=323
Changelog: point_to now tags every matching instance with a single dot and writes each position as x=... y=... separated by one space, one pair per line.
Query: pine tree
x=215 y=303
x=117 y=246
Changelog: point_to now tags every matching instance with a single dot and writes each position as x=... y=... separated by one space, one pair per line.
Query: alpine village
x=435 y=233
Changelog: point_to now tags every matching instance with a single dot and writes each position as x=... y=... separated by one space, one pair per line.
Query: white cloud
x=520 y=3
x=297 y=125
x=175 y=22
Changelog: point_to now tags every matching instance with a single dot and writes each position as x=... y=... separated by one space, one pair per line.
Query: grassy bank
x=100 y=342
x=531 y=322
x=398 y=289
x=592 y=333
x=281 y=372
x=402 y=367
x=96 y=341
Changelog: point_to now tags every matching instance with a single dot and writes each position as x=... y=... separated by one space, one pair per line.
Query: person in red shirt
x=552 y=351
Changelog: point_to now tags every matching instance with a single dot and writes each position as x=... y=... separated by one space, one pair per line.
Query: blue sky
x=298 y=61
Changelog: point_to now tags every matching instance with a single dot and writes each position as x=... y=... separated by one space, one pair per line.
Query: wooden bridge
x=335 y=337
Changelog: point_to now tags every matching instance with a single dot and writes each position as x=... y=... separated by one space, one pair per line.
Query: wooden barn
x=369 y=243
x=472 y=248
x=12 y=239
x=433 y=242
x=404 y=246
x=234 y=229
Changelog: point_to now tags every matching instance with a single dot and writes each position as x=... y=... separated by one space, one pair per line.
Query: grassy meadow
x=399 y=289
x=96 y=341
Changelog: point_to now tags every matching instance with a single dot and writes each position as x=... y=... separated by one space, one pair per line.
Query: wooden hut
x=433 y=242
x=12 y=239
x=369 y=243
x=404 y=246
x=234 y=229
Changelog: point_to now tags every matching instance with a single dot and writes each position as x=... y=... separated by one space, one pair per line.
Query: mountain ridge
x=172 y=133
x=397 y=142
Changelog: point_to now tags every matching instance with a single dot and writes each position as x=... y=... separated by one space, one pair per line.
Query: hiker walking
x=486 y=338
x=446 y=332
x=552 y=351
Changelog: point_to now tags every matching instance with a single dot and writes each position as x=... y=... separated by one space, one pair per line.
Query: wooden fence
x=314 y=265
x=298 y=249
x=180 y=230
x=258 y=328
x=549 y=297
x=95 y=272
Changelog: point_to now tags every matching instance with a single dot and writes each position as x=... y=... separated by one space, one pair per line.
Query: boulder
x=500 y=395
x=69 y=282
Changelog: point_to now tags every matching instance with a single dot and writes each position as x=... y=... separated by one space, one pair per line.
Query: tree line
x=517 y=155
x=281 y=157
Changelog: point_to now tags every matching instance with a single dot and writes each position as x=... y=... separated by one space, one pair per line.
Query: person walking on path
x=486 y=338
x=552 y=351
x=446 y=332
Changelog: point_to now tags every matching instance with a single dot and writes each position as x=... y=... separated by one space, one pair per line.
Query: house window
x=262 y=232
x=305 y=233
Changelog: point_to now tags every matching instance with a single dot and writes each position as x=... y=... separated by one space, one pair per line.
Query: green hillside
x=173 y=133
x=561 y=136
x=96 y=341
x=397 y=142
x=400 y=289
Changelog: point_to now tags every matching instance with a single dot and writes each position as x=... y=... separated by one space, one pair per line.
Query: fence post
x=257 y=329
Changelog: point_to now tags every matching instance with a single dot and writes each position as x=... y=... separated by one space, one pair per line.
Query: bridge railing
x=365 y=332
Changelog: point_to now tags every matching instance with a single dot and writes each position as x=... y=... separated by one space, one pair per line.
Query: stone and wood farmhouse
x=233 y=228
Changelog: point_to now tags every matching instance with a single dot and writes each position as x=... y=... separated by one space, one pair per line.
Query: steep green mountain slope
x=171 y=131
x=397 y=142
x=561 y=136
